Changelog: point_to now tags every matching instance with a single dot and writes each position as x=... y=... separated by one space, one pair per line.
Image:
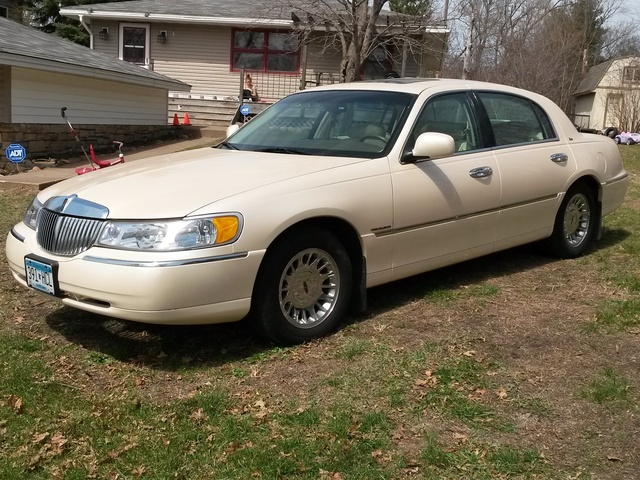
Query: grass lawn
x=515 y=365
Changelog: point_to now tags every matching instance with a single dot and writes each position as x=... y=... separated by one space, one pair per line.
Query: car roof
x=431 y=86
x=420 y=85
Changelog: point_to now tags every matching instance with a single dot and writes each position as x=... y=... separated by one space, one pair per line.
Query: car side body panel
x=436 y=204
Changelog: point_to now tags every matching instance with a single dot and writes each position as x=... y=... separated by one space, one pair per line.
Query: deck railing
x=272 y=87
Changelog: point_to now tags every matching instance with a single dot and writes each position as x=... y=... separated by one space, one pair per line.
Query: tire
x=303 y=287
x=617 y=139
x=575 y=223
x=611 y=132
x=629 y=141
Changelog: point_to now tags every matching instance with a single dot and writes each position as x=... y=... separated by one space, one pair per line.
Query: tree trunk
x=350 y=65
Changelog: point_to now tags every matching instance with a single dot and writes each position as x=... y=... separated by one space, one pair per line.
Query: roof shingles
x=23 y=41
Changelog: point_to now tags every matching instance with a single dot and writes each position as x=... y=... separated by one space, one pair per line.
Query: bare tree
x=620 y=40
x=541 y=45
x=356 y=28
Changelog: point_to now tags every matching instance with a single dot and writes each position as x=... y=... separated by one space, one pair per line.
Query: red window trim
x=264 y=51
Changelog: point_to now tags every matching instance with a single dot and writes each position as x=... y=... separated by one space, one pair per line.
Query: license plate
x=41 y=275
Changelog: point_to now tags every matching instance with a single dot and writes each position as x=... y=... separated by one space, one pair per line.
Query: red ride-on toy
x=93 y=160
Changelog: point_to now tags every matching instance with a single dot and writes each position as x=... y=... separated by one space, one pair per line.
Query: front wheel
x=303 y=288
x=575 y=223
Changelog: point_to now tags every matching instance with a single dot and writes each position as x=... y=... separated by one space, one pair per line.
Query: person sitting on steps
x=250 y=91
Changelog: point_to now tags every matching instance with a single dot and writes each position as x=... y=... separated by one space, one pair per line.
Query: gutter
x=159 y=17
x=36 y=63
x=199 y=19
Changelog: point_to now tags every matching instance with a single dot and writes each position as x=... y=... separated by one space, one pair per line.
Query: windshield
x=347 y=123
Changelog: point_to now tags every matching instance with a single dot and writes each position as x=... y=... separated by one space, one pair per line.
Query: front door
x=445 y=209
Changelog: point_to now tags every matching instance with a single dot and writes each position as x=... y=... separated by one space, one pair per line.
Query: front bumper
x=203 y=286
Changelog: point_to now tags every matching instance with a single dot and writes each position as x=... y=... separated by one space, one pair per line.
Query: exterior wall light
x=104 y=34
x=162 y=38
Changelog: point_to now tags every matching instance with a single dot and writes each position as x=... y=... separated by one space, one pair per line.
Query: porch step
x=217 y=113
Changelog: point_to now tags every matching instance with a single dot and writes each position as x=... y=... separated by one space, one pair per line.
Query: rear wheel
x=303 y=287
x=575 y=222
x=629 y=141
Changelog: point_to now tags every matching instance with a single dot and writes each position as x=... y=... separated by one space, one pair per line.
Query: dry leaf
x=460 y=438
x=198 y=416
x=138 y=471
x=421 y=383
x=39 y=437
x=58 y=441
x=15 y=404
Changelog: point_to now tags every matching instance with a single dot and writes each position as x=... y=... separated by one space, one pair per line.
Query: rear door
x=534 y=166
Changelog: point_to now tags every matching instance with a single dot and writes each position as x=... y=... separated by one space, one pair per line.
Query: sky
x=628 y=10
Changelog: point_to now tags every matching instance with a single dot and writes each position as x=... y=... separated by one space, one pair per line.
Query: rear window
x=516 y=120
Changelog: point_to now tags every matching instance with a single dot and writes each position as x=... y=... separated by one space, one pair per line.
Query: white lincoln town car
x=326 y=193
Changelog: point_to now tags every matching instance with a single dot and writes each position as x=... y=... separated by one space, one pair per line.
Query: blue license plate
x=41 y=275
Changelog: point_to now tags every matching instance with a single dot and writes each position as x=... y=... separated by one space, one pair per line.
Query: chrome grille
x=66 y=235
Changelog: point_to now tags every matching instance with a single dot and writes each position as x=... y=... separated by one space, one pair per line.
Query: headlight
x=31 y=214
x=172 y=235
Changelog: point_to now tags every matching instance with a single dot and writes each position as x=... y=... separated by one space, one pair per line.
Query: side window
x=134 y=43
x=450 y=114
x=515 y=120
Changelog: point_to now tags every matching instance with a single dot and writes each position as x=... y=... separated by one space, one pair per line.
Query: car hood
x=172 y=186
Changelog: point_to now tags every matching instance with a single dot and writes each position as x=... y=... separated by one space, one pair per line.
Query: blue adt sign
x=245 y=109
x=16 y=153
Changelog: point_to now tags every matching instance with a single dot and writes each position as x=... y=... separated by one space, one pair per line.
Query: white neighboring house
x=609 y=96
x=40 y=73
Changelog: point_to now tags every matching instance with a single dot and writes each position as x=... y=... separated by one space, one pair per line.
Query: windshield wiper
x=282 y=150
x=228 y=145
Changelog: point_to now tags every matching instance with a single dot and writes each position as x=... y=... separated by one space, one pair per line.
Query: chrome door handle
x=559 y=157
x=481 y=172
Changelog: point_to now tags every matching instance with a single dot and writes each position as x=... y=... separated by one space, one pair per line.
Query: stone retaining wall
x=56 y=141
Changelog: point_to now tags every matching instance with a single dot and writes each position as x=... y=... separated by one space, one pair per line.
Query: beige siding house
x=209 y=43
x=609 y=96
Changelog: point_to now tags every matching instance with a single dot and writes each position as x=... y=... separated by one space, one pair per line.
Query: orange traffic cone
x=175 y=120
x=186 y=119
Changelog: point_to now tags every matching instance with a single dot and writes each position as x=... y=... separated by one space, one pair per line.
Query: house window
x=265 y=51
x=4 y=12
x=134 y=43
x=377 y=65
x=613 y=110
x=631 y=75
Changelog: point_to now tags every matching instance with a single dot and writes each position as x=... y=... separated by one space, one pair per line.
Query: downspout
x=86 y=27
